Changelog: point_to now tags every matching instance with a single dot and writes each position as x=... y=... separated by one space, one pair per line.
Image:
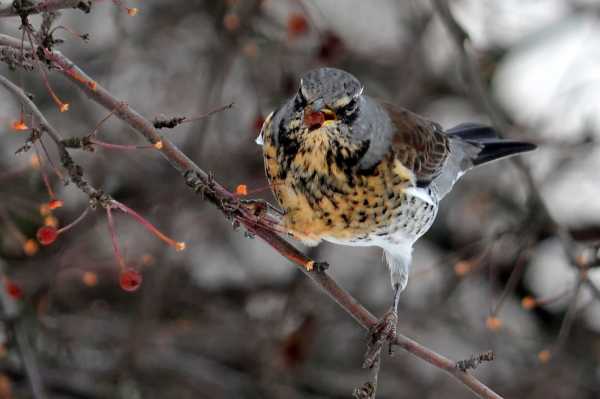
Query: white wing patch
x=421 y=194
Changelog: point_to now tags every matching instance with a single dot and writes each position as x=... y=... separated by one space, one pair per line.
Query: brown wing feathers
x=419 y=144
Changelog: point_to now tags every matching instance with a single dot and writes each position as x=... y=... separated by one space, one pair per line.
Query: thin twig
x=569 y=318
x=74 y=170
x=161 y=122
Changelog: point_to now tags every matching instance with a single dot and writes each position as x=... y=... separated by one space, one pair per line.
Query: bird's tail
x=491 y=146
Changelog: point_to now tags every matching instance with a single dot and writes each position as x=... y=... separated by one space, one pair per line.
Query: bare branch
x=23 y=8
x=74 y=170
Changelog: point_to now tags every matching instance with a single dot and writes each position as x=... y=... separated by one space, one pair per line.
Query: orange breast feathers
x=320 y=200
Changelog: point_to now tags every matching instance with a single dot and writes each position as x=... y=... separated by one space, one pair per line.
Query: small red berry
x=130 y=280
x=13 y=290
x=297 y=25
x=46 y=235
x=331 y=47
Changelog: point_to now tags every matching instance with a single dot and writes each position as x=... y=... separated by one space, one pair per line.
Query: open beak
x=316 y=116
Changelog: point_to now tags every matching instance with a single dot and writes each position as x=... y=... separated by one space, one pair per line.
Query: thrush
x=352 y=170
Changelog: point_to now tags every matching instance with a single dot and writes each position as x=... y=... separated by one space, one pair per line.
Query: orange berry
x=130 y=280
x=133 y=11
x=158 y=145
x=51 y=221
x=30 y=247
x=493 y=323
x=544 y=356
x=528 y=303
x=462 y=267
x=92 y=85
x=180 y=246
x=63 y=107
x=90 y=279
x=55 y=204
x=19 y=125
x=46 y=235
x=147 y=260
x=297 y=25
x=241 y=190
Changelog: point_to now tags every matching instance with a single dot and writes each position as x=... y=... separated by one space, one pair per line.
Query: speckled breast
x=324 y=199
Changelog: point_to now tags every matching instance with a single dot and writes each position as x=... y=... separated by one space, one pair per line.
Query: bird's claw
x=384 y=330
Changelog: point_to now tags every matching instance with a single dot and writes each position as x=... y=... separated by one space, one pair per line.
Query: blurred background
x=228 y=317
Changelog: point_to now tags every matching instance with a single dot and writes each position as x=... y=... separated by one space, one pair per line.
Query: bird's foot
x=384 y=330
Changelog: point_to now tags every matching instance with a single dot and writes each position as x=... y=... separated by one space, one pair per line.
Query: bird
x=353 y=170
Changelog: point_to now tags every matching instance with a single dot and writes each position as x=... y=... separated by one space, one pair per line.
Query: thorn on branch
x=475 y=360
x=161 y=122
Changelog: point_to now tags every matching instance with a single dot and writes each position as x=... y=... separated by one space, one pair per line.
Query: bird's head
x=327 y=95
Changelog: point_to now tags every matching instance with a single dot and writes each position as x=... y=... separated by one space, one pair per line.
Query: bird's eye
x=348 y=108
x=300 y=101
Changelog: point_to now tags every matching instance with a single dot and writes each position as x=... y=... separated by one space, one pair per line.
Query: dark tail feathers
x=492 y=147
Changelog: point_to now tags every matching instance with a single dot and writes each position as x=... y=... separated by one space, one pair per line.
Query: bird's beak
x=317 y=115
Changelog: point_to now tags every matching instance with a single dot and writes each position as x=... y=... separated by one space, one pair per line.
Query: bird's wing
x=418 y=143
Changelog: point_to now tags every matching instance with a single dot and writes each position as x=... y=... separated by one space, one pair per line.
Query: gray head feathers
x=329 y=87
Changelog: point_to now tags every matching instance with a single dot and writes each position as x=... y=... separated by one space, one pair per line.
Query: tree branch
x=74 y=170
x=22 y=8
x=201 y=182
